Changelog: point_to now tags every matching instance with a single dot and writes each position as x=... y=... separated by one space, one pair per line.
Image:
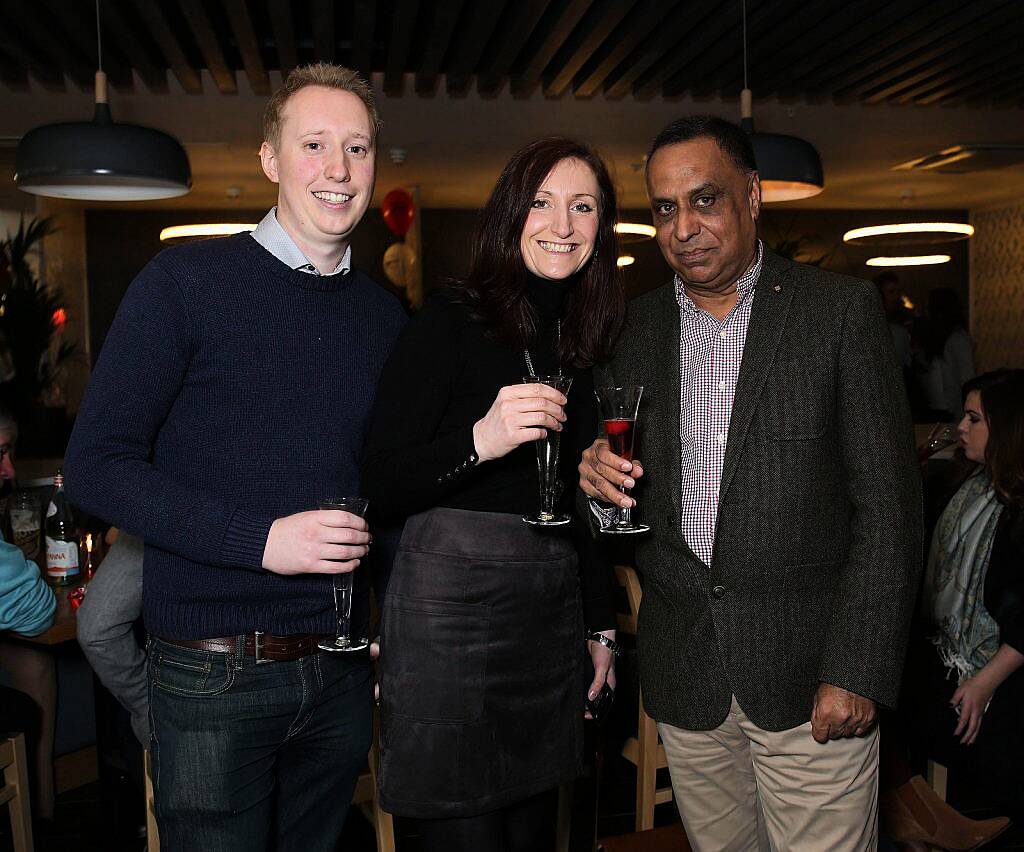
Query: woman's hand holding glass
x=518 y=415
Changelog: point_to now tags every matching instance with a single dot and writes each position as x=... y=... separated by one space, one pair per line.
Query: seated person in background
x=27 y=604
x=27 y=607
x=973 y=601
x=106 y=622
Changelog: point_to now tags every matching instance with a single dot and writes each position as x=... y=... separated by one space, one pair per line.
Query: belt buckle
x=258 y=643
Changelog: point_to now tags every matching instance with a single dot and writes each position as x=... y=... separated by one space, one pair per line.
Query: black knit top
x=441 y=378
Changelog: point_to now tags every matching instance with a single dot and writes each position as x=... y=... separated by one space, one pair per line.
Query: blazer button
x=718 y=592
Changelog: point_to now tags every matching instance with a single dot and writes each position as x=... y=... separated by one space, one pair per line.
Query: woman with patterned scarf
x=968 y=711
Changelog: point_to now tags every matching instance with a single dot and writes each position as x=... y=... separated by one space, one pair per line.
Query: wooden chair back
x=15 y=793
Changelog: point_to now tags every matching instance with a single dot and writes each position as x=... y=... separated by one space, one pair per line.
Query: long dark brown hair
x=1002 y=402
x=496 y=285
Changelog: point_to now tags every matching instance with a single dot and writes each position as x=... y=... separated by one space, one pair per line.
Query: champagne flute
x=547 y=462
x=942 y=435
x=619 y=408
x=343 y=585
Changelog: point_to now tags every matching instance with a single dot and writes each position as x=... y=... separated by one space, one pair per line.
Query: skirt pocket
x=434 y=658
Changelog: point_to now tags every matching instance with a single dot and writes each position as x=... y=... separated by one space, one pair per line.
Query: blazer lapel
x=772 y=300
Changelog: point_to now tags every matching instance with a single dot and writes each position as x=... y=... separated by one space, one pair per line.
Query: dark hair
x=495 y=288
x=1002 y=401
x=731 y=138
x=885 y=278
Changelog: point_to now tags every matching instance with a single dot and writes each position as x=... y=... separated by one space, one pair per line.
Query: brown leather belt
x=265 y=647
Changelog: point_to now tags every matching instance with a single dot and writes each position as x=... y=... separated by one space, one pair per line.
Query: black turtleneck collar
x=547 y=296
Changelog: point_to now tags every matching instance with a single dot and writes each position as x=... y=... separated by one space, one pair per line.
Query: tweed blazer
x=817 y=550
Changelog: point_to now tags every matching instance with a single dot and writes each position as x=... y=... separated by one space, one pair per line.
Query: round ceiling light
x=634 y=232
x=183 y=233
x=910 y=260
x=625 y=260
x=909 y=233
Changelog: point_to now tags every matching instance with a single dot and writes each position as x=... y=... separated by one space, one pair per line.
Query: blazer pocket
x=434 y=658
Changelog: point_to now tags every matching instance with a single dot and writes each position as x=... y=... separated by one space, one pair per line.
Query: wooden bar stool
x=365 y=796
x=152 y=835
x=15 y=793
x=645 y=751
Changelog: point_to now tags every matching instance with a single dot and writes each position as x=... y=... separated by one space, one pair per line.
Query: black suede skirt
x=481 y=665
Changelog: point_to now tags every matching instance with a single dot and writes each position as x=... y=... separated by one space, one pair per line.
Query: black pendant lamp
x=102 y=160
x=789 y=167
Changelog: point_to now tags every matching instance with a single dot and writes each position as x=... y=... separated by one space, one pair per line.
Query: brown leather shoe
x=913 y=813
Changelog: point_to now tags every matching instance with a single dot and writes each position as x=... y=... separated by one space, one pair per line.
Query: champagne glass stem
x=343 y=606
x=625 y=514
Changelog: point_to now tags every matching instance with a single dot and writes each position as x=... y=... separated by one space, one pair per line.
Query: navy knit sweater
x=231 y=391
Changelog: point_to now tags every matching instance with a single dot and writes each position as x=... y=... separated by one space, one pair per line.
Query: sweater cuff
x=245 y=540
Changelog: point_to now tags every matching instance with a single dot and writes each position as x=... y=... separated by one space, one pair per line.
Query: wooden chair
x=937 y=777
x=645 y=751
x=15 y=793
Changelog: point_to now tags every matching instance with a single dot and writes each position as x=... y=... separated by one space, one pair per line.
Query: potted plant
x=32 y=349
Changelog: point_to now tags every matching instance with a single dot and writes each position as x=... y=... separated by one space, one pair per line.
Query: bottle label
x=61 y=558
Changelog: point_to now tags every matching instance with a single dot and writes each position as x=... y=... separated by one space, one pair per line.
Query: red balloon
x=399 y=210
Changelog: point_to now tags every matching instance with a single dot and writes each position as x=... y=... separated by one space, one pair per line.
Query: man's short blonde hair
x=318 y=74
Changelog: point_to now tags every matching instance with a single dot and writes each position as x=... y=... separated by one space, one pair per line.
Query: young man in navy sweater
x=231 y=394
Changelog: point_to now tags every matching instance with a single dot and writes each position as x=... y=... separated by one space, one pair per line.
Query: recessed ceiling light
x=625 y=260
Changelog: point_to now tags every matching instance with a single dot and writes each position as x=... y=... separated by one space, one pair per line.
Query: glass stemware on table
x=548 y=449
x=343 y=585
x=619 y=409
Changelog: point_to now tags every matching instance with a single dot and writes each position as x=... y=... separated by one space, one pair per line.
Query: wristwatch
x=610 y=644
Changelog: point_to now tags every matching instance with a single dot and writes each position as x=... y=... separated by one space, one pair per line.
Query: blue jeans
x=249 y=758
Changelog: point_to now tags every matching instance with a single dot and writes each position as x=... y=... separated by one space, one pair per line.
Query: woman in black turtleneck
x=484 y=623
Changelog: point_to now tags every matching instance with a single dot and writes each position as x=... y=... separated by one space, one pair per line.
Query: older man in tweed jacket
x=780 y=484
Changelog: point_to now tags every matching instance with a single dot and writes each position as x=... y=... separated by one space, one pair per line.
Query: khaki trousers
x=743 y=789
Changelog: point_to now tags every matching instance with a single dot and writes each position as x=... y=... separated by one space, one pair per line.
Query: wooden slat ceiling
x=869 y=51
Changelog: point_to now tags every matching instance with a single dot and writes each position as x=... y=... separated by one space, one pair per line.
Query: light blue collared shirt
x=279 y=243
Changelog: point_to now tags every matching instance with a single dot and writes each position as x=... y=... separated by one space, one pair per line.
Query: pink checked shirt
x=710 y=353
